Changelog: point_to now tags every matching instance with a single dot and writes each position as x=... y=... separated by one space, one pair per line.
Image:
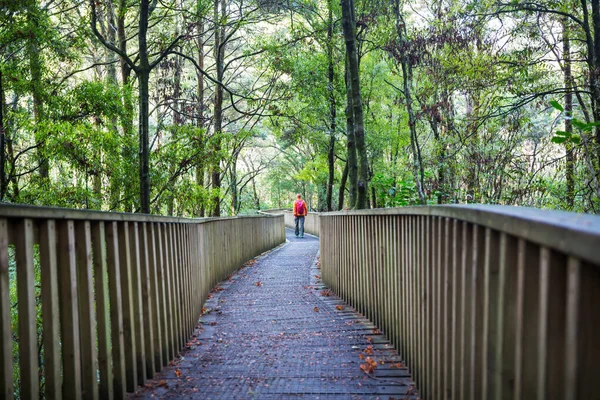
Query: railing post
x=105 y=362
x=6 y=349
x=89 y=356
x=69 y=312
x=50 y=303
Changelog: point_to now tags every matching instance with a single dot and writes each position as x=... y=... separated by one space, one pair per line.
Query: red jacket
x=296 y=214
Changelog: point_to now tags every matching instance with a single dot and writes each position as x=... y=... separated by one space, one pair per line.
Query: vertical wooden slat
x=99 y=246
x=519 y=315
x=116 y=310
x=129 y=330
x=149 y=317
x=544 y=284
x=28 y=356
x=572 y=328
x=50 y=305
x=136 y=296
x=89 y=356
x=162 y=294
x=6 y=349
x=169 y=314
x=69 y=310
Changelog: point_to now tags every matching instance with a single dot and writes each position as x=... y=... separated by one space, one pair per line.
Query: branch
x=107 y=44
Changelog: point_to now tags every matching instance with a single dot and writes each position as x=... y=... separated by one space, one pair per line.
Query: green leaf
x=559 y=139
x=557 y=105
x=576 y=139
x=581 y=125
x=562 y=133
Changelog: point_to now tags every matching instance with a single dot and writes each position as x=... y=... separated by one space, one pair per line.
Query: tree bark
x=218 y=107
x=349 y=28
x=3 y=182
x=570 y=167
x=418 y=171
x=351 y=162
x=36 y=87
x=343 y=187
x=200 y=116
x=332 y=110
x=143 y=75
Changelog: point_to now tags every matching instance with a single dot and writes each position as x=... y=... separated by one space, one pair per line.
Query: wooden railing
x=106 y=300
x=483 y=302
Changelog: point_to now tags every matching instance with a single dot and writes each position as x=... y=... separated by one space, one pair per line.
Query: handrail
x=119 y=293
x=483 y=302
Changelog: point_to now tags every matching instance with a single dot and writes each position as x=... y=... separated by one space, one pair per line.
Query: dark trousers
x=299 y=221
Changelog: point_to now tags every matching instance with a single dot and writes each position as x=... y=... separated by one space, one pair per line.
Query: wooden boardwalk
x=273 y=331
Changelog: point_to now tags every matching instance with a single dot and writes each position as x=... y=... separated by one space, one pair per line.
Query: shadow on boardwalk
x=274 y=332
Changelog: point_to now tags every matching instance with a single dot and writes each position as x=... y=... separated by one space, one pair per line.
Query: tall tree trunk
x=200 y=116
x=128 y=153
x=3 y=181
x=351 y=162
x=218 y=106
x=36 y=87
x=143 y=75
x=349 y=28
x=418 y=171
x=234 y=185
x=343 y=187
x=570 y=167
x=332 y=110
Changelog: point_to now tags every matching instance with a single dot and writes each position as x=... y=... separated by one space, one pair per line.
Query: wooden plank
x=6 y=349
x=168 y=299
x=131 y=371
x=87 y=315
x=136 y=295
x=155 y=293
x=50 y=303
x=69 y=310
x=28 y=351
x=116 y=310
x=148 y=309
x=542 y=333
x=99 y=248
x=572 y=328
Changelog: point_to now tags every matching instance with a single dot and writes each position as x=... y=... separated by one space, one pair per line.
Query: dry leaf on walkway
x=178 y=373
x=316 y=309
x=368 y=350
x=369 y=366
x=339 y=308
x=163 y=383
x=326 y=293
x=318 y=276
x=259 y=283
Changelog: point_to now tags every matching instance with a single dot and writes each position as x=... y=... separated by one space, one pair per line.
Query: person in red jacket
x=300 y=211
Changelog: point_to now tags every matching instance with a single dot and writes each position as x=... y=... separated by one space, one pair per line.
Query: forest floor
x=274 y=331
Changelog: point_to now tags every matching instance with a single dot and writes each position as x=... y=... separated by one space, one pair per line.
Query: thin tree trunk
x=412 y=122
x=343 y=187
x=351 y=162
x=143 y=75
x=3 y=182
x=35 y=65
x=570 y=167
x=200 y=117
x=332 y=110
x=349 y=28
x=218 y=107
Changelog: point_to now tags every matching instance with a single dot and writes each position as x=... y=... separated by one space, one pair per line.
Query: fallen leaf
x=339 y=308
x=178 y=373
x=316 y=309
x=163 y=383
x=375 y=331
x=326 y=293
x=259 y=283
x=318 y=276
x=368 y=350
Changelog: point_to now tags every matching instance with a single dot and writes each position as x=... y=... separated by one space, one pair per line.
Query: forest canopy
x=224 y=107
